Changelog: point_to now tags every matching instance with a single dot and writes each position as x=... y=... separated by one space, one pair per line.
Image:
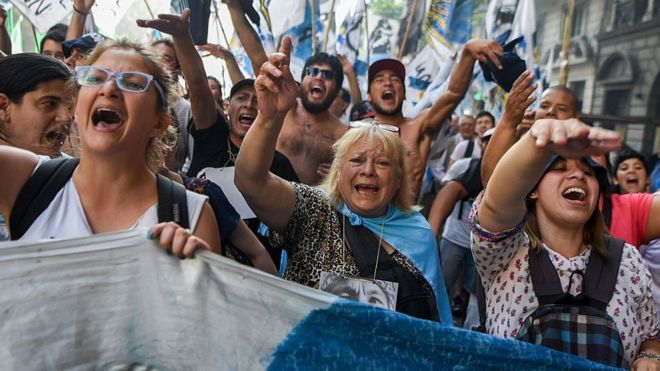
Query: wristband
x=649 y=355
x=78 y=11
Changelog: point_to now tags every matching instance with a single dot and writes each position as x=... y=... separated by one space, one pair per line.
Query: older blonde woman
x=122 y=115
x=365 y=196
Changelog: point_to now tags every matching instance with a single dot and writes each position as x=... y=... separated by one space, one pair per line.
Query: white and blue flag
x=117 y=301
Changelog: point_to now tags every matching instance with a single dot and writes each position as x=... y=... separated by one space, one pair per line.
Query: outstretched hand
x=520 y=98
x=276 y=89
x=171 y=24
x=216 y=50
x=573 y=139
x=484 y=50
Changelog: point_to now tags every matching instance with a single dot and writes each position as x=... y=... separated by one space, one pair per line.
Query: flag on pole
x=290 y=13
x=499 y=20
x=460 y=22
x=301 y=36
x=414 y=16
x=265 y=29
x=348 y=37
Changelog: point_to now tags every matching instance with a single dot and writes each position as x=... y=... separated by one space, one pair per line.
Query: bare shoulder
x=339 y=127
x=19 y=165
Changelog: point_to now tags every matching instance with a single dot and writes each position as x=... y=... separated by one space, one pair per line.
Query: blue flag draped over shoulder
x=410 y=234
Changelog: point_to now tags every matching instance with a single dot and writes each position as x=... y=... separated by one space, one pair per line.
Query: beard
x=319 y=107
x=381 y=111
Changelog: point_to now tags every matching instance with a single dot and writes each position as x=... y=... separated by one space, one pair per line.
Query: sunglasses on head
x=128 y=81
x=370 y=123
x=325 y=74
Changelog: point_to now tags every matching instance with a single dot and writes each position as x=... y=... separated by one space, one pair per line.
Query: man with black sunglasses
x=387 y=92
x=310 y=129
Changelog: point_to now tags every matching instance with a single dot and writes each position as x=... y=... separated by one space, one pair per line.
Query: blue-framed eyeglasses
x=128 y=81
x=371 y=122
x=315 y=71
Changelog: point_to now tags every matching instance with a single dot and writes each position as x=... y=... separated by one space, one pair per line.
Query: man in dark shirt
x=218 y=145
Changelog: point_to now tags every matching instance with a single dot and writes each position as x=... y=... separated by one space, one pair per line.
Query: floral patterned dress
x=502 y=263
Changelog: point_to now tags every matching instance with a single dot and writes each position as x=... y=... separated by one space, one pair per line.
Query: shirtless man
x=309 y=129
x=387 y=93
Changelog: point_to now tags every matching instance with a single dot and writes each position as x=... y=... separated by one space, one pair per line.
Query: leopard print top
x=314 y=242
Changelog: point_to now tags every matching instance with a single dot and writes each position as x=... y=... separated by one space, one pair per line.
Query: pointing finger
x=286 y=47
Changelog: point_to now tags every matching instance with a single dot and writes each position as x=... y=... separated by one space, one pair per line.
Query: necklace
x=231 y=157
x=344 y=243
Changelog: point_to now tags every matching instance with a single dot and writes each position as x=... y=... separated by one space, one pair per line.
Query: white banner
x=111 y=300
x=118 y=302
x=43 y=14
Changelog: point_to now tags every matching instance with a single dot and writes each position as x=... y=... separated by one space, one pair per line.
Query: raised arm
x=248 y=36
x=5 y=40
x=349 y=72
x=516 y=174
x=459 y=82
x=507 y=130
x=81 y=9
x=271 y=198
x=192 y=67
x=226 y=55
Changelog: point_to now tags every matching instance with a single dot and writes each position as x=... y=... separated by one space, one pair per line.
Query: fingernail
x=150 y=235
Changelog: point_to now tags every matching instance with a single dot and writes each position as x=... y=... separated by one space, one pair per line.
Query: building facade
x=614 y=63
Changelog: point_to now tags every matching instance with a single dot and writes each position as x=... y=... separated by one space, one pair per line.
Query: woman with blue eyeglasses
x=360 y=226
x=122 y=117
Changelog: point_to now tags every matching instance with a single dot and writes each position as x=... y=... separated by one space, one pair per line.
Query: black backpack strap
x=38 y=192
x=481 y=304
x=470 y=149
x=601 y=275
x=172 y=202
x=607 y=210
x=545 y=279
x=471 y=178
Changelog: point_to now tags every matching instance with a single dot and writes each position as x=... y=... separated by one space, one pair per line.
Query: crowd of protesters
x=534 y=221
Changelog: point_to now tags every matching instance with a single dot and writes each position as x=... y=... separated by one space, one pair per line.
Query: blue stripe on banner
x=350 y=335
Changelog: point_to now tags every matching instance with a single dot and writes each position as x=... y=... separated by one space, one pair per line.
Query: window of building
x=629 y=12
x=617 y=102
x=578 y=28
x=578 y=88
x=579 y=19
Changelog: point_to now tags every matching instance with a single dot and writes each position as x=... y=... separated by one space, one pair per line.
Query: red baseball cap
x=387 y=64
